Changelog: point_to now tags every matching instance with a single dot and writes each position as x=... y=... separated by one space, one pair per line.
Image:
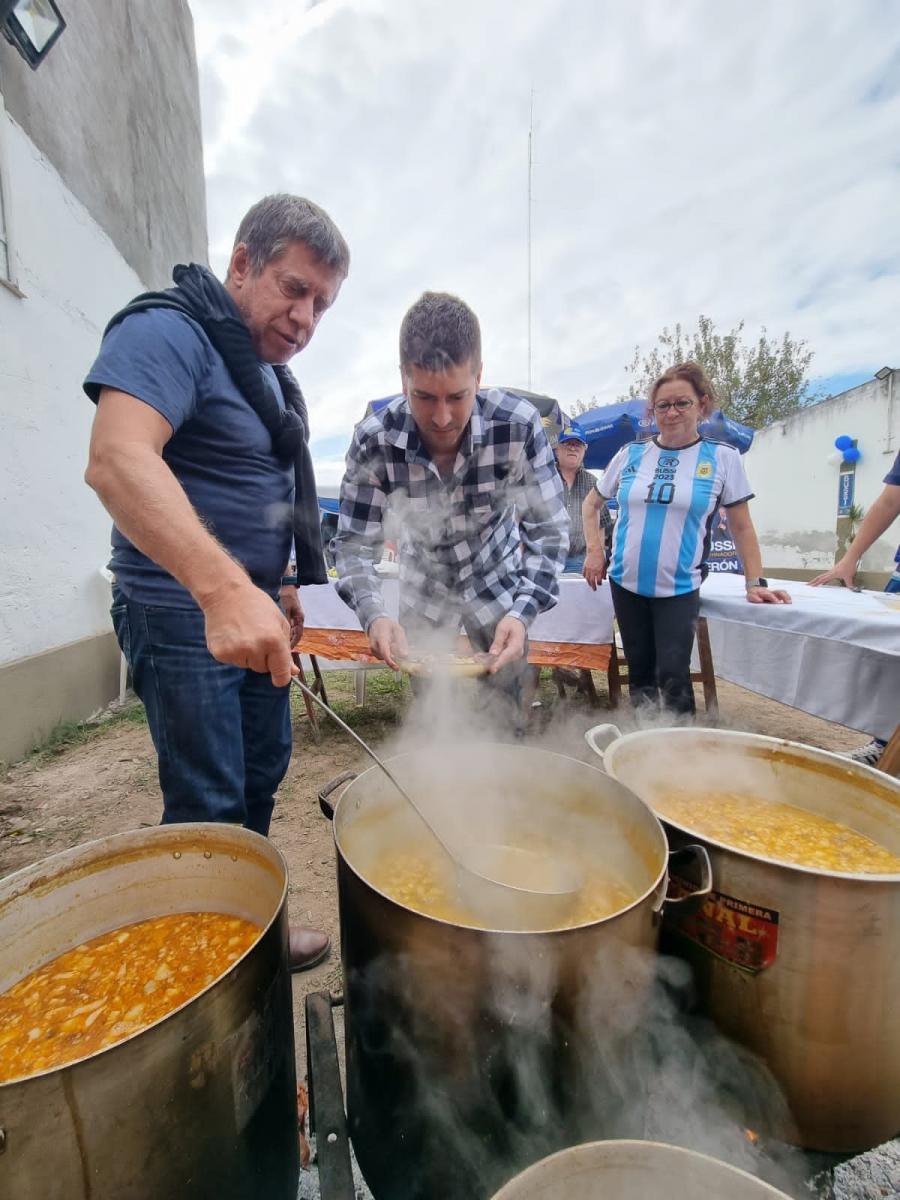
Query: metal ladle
x=501 y=904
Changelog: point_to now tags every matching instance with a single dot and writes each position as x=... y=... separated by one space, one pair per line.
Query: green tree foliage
x=755 y=383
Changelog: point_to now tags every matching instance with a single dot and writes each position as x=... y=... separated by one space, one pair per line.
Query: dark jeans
x=500 y=696
x=658 y=637
x=222 y=734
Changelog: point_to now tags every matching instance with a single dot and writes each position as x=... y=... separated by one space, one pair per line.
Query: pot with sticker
x=795 y=950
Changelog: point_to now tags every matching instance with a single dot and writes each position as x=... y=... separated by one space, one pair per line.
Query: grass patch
x=68 y=735
x=386 y=702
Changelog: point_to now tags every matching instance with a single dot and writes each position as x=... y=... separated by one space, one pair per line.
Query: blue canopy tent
x=612 y=426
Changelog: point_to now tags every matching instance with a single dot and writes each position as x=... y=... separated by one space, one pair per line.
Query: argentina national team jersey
x=667 y=500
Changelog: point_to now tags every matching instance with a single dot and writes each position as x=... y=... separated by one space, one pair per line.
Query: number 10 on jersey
x=660 y=493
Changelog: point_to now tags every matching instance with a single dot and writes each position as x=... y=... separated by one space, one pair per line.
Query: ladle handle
x=307 y=691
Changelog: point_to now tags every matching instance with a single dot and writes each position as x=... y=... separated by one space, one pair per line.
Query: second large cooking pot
x=203 y=1102
x=470 y=1052
x=800 y=965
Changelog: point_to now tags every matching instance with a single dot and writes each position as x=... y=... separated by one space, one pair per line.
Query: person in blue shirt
x=199 y=452
x=669 y=490
x=881 y=515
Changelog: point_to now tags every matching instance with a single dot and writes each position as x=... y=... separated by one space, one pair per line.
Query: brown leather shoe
x=307 y=948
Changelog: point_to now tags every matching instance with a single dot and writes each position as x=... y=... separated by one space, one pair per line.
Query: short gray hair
x=438 y=332
x=276 y=221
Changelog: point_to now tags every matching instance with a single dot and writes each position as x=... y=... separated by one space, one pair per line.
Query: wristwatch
x=755 y=583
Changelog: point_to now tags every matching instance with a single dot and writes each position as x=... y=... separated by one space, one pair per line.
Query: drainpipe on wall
x=886 y=374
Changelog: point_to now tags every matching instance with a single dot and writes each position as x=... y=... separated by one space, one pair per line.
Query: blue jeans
x=222 y=734
x=574 y=564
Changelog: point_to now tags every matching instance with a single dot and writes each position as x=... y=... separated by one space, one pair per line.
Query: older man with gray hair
x=199 y=452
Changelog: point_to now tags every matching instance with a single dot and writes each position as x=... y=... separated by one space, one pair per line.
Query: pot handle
x=607 y=733
x=324 y=803
x=685 y=904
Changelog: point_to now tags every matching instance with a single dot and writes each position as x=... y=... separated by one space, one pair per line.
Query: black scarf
x=199 y=295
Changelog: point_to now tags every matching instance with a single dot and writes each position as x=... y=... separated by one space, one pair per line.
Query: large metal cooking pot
x=471 y=1052
x=201 y=1104
x=630 y=1170
x=800 y=965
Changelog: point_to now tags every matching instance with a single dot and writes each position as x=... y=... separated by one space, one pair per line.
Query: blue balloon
x=851 y=454
x=843 y=442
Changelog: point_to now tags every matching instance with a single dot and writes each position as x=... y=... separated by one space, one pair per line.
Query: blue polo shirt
x=220 y=451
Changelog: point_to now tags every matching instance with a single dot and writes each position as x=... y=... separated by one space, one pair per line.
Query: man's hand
x=508 y=643
x=293 y=610
x=594 y=569
x=244 y=627
x=387 y=641
x=761 y=595
x=843 y=569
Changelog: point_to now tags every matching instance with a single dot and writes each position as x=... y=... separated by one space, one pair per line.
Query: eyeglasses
x=679 y=405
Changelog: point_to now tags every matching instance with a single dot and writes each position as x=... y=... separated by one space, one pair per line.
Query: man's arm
x=593 y=509
x=127 y=471
x=881 y=515
x=543 y=528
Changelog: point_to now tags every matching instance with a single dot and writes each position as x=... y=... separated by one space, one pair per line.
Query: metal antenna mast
x=530 y=160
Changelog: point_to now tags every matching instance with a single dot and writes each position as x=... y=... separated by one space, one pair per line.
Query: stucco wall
x=795 y=509
x=54 y=534
x=115 y=107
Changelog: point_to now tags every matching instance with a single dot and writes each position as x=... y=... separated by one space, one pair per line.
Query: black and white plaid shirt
x=487 y=542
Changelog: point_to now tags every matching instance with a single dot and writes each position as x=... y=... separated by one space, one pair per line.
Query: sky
x=736 y=160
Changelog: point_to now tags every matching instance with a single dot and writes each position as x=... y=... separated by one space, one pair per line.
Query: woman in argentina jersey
x=669 y=489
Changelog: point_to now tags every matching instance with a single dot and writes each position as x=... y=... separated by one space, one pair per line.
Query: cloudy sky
x=737 y=160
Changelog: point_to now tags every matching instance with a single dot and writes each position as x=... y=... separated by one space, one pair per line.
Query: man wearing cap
x=577 y=484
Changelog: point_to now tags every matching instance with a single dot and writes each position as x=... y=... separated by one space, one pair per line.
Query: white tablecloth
x=833 y=653
x=580 y=616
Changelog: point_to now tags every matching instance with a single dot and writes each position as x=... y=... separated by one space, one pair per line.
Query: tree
x=755 y=384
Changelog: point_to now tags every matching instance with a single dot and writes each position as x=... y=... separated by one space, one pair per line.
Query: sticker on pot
x=745 y=935
x=256 y=1052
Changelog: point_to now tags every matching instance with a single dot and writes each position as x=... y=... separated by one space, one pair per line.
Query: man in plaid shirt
x=474 y=484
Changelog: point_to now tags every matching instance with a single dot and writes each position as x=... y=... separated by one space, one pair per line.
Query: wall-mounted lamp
x=32 y=26
x=884 y=372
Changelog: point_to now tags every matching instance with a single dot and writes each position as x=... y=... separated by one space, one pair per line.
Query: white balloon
x=834 y=458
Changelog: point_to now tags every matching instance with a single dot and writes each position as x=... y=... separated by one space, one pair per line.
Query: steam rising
x=488 y=1051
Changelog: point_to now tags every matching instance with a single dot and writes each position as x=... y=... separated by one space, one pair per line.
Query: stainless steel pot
x=802 y=966
x=472 y=1052
x=630 y=1170
x=203 y=1103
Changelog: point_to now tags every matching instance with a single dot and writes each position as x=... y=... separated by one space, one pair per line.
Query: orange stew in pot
x=113 y=986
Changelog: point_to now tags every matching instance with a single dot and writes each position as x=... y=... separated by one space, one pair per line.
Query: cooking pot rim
x=884 y=782
x=658 y=885
x=617 y=1146
x=193 y=833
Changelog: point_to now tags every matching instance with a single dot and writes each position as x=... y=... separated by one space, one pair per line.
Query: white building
x=796 y=506
x=102 y=192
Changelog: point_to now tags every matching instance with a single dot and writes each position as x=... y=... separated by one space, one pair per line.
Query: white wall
x=54 y=534
x=795 y=509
